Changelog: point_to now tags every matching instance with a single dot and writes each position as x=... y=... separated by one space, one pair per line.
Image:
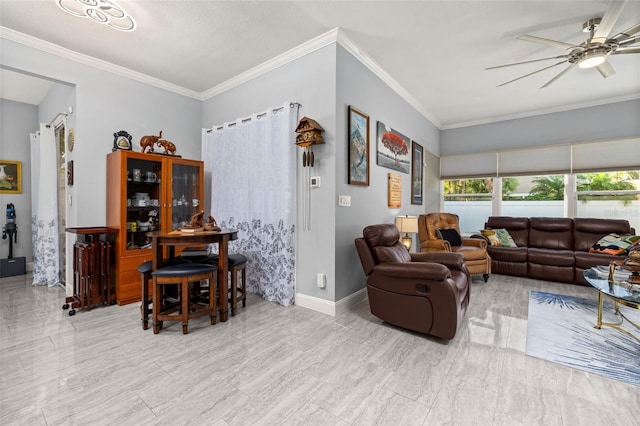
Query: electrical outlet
x=321 y=280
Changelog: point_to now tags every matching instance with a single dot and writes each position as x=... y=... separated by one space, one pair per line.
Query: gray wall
x=17 y=121
x=310 y=81
x=326 y=82
x=610 y=121
x=104 y=104
x=359 y=87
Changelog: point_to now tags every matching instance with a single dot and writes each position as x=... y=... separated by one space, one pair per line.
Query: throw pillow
x=450 y=235
x=615 y=244
x=498 y=237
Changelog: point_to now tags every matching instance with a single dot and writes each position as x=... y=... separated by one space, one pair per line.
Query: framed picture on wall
x=417 y=161
x=393 y=149
x=10 y=177
x=358 y=147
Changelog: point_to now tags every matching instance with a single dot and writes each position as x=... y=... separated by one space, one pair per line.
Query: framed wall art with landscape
x=393 y=149
x=417 y=160
x=358 y=147
x=10 y=177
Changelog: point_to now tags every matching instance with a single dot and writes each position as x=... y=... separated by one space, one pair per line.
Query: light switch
x=344 y=201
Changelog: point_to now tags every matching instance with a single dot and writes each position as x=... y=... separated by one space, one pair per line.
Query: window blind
x=616 y=154
x=619 y=154
x=462 y=166
x=547 y=160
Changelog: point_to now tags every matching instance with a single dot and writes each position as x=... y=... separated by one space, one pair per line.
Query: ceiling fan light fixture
x=592 y=59
x=106 y=12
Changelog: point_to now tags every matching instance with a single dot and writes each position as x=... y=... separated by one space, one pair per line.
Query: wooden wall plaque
x=394 y=183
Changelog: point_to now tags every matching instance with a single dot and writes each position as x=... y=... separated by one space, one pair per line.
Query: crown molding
x=290 y=55
x=335 y=35
x=544 y=111
x=366 y=60
x=65 y=53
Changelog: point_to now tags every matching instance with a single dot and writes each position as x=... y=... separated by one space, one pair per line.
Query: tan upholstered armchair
x=424 y=292
x=441 y=232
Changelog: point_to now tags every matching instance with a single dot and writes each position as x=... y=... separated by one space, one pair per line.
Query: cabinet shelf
x=176 y=179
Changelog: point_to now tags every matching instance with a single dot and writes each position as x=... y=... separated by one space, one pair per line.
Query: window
x=470 y=199
x=613 y=195
x=533 y=196
x=597 y=179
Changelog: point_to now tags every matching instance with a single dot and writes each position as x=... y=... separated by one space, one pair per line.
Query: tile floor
x=272 y=365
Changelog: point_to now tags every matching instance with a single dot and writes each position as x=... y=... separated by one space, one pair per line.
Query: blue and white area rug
x=560 y=329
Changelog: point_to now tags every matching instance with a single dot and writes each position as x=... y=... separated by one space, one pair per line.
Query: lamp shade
x=407 y=223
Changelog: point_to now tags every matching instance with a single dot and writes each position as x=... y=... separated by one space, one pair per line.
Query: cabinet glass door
x=144 y=195
x=185 y=193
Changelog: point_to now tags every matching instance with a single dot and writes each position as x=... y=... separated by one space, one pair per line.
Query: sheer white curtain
x=44 y=207
x=252 y=167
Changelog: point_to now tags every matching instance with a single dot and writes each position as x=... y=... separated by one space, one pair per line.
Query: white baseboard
x=328 y=307
x=351 y=300
x=316 y=304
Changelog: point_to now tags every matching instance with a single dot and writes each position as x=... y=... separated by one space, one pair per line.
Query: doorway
x=60 y=135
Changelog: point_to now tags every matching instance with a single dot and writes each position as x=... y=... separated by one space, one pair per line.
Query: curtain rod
x=56 y=117
x=245 y=120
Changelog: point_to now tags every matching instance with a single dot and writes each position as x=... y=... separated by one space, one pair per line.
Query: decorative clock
x=121 y=140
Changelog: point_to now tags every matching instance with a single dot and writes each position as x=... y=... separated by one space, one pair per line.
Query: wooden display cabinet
x=147 y=192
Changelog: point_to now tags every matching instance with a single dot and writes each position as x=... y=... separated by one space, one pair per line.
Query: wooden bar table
x=174 y=238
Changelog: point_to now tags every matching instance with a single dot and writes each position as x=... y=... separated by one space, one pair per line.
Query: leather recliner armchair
x=424 y=292
x=474 y=250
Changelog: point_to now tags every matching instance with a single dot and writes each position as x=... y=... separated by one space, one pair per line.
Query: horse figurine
x=149 y=141
x=169 y=147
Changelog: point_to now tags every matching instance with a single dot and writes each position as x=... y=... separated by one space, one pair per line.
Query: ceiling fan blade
x=625 y=50
x=608 y=21
x=629 y=41
x=559 y=75
x=548 y=42
x=527 y=62
x=531 y=73
x=606 y=69
x=621 y=37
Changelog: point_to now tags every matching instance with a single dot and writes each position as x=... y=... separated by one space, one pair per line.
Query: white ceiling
x=24 y=88
x=436 y=51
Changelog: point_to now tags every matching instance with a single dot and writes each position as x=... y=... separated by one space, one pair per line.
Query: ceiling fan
x=591 y=53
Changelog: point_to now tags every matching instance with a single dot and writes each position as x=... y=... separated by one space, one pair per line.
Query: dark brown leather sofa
x=552 y=249
x=424 y=292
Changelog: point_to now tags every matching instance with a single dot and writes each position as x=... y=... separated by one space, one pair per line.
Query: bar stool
x=238 y=263
x=145 y=308
x=181 y=275
x=145 y=275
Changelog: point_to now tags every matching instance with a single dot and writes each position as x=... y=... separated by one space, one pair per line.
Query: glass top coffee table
x=621 y=291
